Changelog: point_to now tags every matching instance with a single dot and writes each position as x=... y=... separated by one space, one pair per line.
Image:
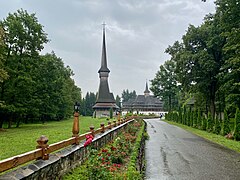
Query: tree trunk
x=212 y=98
x=10 y=122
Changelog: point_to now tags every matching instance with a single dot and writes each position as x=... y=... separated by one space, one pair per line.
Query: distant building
x=105 y=100
x=143 y=104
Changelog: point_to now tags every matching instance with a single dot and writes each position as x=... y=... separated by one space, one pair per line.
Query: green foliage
x=195 y=119
x=225 y=124
x=39 y=87
x=126 y=95
x=236 y=133
x=209 y=123
x=87 y=103
x=204 y=123
x=118 y=101
x=217 y=126
x=164 y=85
x=111 y=113
x=199 y=119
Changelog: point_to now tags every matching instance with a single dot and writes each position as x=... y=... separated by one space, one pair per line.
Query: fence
x=43 y=150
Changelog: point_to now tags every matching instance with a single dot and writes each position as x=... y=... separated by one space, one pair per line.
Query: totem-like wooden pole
x=119 y=118
x=102 y=127
x=75 y=129
x=42 y=143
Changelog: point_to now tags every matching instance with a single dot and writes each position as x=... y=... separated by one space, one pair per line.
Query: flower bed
x=117 y=160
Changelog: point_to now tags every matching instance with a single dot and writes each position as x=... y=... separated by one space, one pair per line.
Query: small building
x=105 y=100
x=144 y=104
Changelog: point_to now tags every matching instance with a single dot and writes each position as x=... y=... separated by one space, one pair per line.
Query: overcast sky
x=137 y=34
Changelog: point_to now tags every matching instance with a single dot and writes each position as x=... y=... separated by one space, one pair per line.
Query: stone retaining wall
x=62 y=161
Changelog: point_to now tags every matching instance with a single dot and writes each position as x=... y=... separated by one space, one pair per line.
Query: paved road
x=175 y=154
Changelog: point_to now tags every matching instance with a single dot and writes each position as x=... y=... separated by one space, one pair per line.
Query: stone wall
x=62 y=161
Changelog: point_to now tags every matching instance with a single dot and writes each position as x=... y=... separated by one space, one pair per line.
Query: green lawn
x=234 y=145
x=15 y=141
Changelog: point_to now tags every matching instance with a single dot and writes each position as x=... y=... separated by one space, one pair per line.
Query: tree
x=3 y=72
x=225 y=124
x=126 y=95
x=23 y=38
x=237 y=125
x=227 y=14
x=165 y=86
x=118 y=101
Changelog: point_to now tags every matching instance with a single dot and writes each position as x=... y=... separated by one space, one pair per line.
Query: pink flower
x=89 y=141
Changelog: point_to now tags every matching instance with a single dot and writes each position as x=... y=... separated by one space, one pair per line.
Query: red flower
x=113 y=148
x=104 y=150
x=89 y=141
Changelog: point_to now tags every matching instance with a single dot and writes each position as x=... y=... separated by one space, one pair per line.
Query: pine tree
x=225 y=124
x=195 y=115
x=217 y=126
x=237 y=125
x=111 y=113
x=199 y=120
x=204 y=123
x=209 y=123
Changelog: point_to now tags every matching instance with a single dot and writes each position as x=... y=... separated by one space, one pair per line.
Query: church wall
x=104 y=113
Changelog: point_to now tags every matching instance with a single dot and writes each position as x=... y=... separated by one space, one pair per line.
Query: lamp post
x=75 y=129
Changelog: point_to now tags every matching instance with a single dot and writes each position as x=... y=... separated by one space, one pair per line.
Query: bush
x=204 y=123
x=209 y=122
x=236 y=131
x=195 y=118
x=225 y=124
x=217 y=126
x=199 y=120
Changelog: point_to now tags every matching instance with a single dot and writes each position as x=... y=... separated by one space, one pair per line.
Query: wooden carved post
x=75 y=129
x=92 y=130
x=42 y=143
x=102 y=127
x=114 y=123
x=110 y=126
x=119 y=118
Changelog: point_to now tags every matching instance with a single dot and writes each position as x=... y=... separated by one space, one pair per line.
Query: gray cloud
x=138 y=32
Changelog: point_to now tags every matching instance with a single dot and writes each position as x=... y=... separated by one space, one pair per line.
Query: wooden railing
x=43 y=149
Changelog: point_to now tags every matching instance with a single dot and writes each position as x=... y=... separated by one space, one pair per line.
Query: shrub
x=204 y=123
x=209 y=122
x=225 y=124
x=111 y=113
x=217 y=126
x=195 y=116
x=237 y=125
x=199 y=120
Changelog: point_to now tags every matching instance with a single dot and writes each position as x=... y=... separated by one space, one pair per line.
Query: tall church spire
x=104 y=67
x=146 y=92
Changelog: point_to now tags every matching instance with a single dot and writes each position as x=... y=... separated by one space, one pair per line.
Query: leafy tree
x=3 y=72
x=24 y=38
x=228 y=15
x=164 y=85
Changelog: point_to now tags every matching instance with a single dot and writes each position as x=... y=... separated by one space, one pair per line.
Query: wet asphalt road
x=173 y=153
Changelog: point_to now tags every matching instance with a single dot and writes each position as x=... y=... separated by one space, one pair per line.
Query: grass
x=234 y=145
x=16 y=141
